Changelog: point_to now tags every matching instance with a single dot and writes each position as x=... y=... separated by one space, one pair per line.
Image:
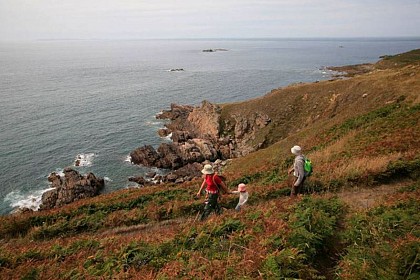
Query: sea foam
x=107 y=179
x=128 y=159
x=84 y=159
x=32 y=201
x=168 y=137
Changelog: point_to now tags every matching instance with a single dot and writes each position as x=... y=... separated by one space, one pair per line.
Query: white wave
x=32 y=201
x=107 y=179
x=128 y=159
x=58 y=171
x=132 y=185
x=168 y=137
x=153 y=123
x=84 y=159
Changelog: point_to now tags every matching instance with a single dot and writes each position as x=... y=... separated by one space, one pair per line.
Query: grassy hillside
x=358 y=218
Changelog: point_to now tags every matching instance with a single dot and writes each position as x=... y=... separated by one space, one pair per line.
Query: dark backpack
x=221 y=187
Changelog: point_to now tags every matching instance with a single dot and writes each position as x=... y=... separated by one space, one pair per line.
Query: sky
x=144 y=19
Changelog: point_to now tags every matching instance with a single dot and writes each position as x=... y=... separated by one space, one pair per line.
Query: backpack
x=221 y=187
x=307 y=166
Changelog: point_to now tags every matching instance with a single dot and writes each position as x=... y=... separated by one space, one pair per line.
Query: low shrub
x=229 y=226
x=31 y=255
x=289 y=263
x=383 y=243
x=312 y=223
x=5 y=261
x=400 y=169
x=14 y=226
x=32 y=274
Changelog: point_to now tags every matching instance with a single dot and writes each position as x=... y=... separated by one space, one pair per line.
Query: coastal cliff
x=199 y=134
x=357 y=217
x=210 y=131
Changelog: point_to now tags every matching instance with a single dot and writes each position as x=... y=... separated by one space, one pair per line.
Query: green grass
x=383 y=243
x=403 y=59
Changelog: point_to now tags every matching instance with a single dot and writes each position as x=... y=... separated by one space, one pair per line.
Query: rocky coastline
x=69 y=188
x=199 y=135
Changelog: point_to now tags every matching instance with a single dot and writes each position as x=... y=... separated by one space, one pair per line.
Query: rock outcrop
x=196 y=135
x=245 y=131
x=181 y=175
x=71 y=187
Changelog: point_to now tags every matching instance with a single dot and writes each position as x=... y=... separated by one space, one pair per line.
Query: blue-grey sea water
x=98 y=99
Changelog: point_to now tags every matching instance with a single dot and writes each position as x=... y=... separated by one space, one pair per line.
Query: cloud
x=20 y=19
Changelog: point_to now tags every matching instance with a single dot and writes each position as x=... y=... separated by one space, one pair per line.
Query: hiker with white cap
x=213 y=182
x=243 y=196
x=298 y=170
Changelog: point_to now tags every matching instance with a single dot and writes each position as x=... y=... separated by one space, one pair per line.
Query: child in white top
x=243 y=196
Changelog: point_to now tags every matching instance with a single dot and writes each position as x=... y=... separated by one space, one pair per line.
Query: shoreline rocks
x=72 y=187
x=186 y=173
x=196 y=134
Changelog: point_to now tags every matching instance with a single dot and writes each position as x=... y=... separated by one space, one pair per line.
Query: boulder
x=163 y=132
x=181 y=136
x=137 y=179
x=169 y=155
x=71 y=187
x=140 y=180
x=145 y=155
x=151 y=174
x=185 y=173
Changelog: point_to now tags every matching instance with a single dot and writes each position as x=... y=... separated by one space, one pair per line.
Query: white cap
x=296 y=150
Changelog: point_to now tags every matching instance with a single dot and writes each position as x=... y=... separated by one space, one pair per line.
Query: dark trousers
x=296 y=189
x=212 y=204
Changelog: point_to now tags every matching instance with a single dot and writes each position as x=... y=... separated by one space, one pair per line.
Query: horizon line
x=211 y=38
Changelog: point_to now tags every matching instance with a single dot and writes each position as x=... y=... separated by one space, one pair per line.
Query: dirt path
x=366 y=198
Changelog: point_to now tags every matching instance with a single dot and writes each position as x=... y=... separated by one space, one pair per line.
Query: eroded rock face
x=195 y=132
x=69 y=188
x=205 y=120
x=245 y=130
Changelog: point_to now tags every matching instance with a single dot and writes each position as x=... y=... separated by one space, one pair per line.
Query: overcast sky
x=137 y=19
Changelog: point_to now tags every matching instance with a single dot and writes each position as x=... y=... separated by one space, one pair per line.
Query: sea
x=96 y=100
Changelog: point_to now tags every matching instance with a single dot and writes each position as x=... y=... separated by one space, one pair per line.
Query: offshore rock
x=70 y=188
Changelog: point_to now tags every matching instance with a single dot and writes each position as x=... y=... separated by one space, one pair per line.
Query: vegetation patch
x=313 y=223
x=383 y=243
